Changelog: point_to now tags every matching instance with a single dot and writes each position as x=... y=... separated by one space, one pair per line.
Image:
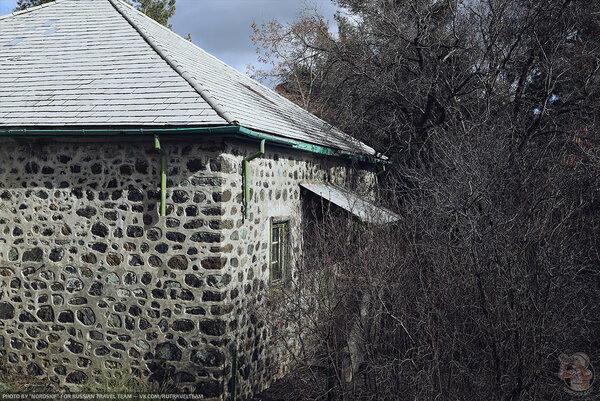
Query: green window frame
x=279 y=253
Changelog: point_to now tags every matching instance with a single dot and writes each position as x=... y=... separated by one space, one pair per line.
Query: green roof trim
x=231 y=130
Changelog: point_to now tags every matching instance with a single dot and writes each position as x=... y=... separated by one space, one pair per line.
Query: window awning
x=353 y=202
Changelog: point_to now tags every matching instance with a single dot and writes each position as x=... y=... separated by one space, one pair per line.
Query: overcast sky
x=223 y=27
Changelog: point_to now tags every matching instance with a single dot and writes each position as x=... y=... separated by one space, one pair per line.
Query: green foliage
x=23 y=4
x=123 y=382
x=116 y=383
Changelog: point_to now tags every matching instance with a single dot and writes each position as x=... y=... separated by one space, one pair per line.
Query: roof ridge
x=164 y=54
x=326 y=125
x=234 y=70
x=204 y=93
x=30 y=9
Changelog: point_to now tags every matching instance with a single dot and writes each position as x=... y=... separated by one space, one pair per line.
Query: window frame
x=282 y=226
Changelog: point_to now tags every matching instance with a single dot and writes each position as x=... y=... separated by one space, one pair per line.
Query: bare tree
x=488 y=110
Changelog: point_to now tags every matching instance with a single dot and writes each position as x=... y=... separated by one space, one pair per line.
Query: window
x=279 y=269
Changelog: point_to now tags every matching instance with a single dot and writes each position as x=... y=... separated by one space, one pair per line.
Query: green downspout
x=246 y=173
x=163 y=176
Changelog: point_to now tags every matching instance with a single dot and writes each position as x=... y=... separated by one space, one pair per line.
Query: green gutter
x=233 y=131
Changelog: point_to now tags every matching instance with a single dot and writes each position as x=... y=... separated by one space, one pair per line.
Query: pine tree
x=23 y=4
x=158 y=10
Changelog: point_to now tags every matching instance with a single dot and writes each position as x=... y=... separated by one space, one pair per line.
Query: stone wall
x=275 y=194
x=93 y=283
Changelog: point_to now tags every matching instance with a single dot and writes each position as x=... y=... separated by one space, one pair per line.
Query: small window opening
x=279 y=263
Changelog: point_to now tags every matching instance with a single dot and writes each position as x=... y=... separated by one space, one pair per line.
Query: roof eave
x=217 y=131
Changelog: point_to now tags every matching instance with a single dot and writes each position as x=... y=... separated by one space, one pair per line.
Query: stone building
x=149 y=194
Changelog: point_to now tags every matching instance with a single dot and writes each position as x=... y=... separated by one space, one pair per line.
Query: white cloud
x=223 y=27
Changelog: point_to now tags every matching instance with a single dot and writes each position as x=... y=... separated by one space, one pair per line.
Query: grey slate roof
x=81 y=63
x=95 y=69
